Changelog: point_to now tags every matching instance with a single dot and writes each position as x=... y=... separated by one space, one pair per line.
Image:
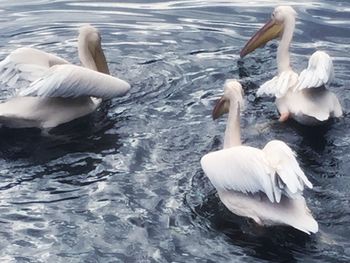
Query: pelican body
x=303 y=97
x=57 y=91
x=263 y=184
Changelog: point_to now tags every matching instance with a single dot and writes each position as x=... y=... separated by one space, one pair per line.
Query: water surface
x=125 y=184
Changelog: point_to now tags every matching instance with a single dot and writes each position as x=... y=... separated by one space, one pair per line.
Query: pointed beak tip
x=215 y=114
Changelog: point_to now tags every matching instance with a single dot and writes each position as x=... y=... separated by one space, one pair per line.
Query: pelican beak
x=100 y=60
x=221 y=107
x=269 y=31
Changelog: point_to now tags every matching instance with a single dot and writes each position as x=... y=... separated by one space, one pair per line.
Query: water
x=125 y=184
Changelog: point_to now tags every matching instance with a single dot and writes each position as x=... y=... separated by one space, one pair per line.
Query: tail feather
x=300 y=217
x=291 y=212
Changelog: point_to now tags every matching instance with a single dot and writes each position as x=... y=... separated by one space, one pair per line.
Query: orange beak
x=269 y=31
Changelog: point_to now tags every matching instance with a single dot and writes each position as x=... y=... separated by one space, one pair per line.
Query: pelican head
x=233 y=93
x=90 y=50
x=271 y=30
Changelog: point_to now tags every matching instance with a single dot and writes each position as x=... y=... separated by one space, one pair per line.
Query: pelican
x=265 y=185
x=57 y=91
x=303 y=97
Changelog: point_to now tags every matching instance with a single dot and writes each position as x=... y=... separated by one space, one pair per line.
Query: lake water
x=125 y=184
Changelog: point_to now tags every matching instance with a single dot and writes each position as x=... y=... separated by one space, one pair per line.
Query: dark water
x=125 y=184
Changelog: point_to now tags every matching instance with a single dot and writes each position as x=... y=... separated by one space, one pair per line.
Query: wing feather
x=318 y=73
x=70 y=81
x=26 y=64
x=282 y=160
x=279 y=85
x=240 y=168
x=273 y=170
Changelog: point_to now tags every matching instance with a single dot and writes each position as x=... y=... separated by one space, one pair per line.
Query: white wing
x=70 y=81
x=279 y=85
x=240 y=168
x=273 y=170
x=289 y=179
x=318 y=73
x=26 y=64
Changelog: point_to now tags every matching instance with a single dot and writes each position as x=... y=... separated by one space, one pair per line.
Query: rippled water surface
x=125 y=184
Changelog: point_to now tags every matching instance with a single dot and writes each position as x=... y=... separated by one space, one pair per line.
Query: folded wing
x=241 y=168
x=279 y=85
x=288 y=178
x=70 y=81
x=273 y=170
x=26 y=64
x=318 y=73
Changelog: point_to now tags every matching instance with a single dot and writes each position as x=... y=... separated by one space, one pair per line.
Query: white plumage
x=279 y=85
x=225 y=168
x=318 y=73
x=70 y=81
x=265 y=185
x=53 y=86
x=26 y=64
x=303 y=97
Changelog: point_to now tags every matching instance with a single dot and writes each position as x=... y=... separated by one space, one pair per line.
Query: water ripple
x=125 y=184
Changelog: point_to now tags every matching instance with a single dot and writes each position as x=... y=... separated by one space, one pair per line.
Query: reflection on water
x=124 y=184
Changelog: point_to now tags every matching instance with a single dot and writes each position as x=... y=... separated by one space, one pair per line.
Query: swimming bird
x=265 y=185
x=58 y=91
x=303 y=97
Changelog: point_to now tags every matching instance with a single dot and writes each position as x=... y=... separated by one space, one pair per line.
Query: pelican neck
x=283 y=56
x=233 y=130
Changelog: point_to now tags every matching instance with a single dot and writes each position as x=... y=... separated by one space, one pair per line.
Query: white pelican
x=265 y=185
x=304 y=97
x=58 y=91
